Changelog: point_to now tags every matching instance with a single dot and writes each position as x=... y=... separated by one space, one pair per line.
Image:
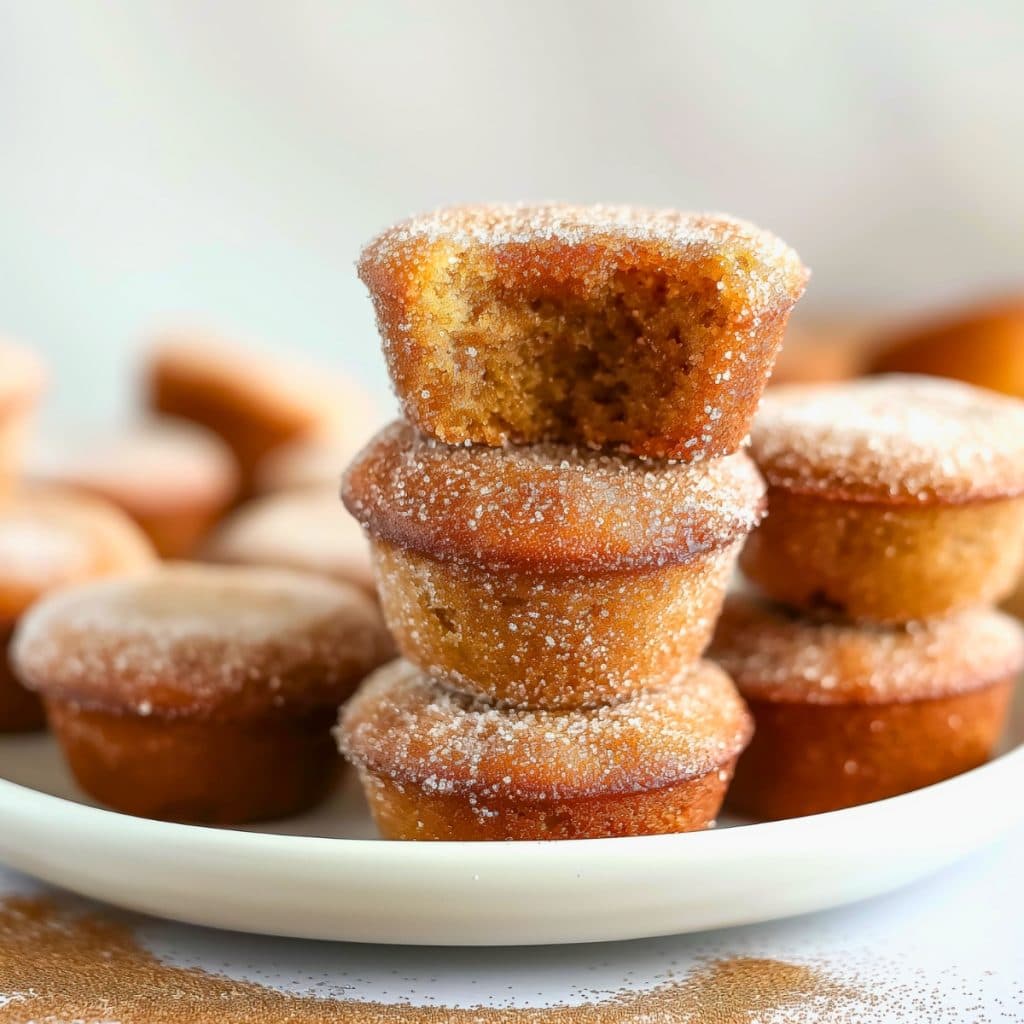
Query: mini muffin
x=252 y=401
x=648 y=331
x=548 y=575
x=983 y=345
x=174 y=479
x=847 y=714
x=21 y=382
x=437 y=764
x=306 y=530
x=200 y=693
x=48 y=541
x=1014 y=604
x=890 y=498
x=309 y=464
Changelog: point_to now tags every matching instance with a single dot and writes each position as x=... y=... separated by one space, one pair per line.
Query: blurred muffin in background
x=816 y=351
x=49 y=541
x=173 y=478
x=982 y=344
x=21 y=383
x=253 y=401
x=307 y=530
x=310 y=463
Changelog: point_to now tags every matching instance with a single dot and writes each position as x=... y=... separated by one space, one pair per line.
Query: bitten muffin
x=253 y=401
x=48 y=541
x=548 y=575
x=306 y=530
x=845 y=715
x=982 y=345
x=648 y=331
x=200 y=693
x=437 y=764
x=890 y=498
x=21 y=383
x=174 y=479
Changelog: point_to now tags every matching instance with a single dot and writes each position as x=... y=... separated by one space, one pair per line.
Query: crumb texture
x=651 y=331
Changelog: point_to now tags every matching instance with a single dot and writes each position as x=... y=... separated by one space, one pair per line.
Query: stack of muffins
x=896 y=522
x=554 y=526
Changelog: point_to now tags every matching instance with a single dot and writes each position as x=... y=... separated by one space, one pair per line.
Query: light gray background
x=222 y=162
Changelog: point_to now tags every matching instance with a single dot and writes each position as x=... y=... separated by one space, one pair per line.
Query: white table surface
x=950 y=949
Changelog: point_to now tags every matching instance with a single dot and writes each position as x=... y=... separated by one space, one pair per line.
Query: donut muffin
x=982 y=345
x=648 y=331
x=174 y=479
x=548 y=575
x=49 y=541
x=890 y=498
x=200 y=693
x=438 y=764
x=309 y=463
x=21 y=382
x=845 y=714
x=306 y=530
x=253 y=401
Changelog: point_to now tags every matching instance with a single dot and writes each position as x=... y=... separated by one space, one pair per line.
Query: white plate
x=324 y=875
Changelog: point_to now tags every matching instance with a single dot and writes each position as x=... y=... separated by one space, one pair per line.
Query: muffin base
x=885 y=563
x=198 y=770
x=811 y=758
x=547 y=640
x=404 y=810
x=20 y=709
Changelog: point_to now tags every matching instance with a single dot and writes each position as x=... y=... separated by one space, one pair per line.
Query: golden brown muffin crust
x=195 y=640
x=775 y=654
x=408 y=727
x=547 y=507
x=649 y=331
x=897 y=439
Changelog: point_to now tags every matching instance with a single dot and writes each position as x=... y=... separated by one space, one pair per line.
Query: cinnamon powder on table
x=60 y=966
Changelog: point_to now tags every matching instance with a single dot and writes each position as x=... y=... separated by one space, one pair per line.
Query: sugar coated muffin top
x=547 y=506
x=307 y=530
x=195 y=639
x=768 y=271
x=50 y=540
x=778 y=655
x=892 y=439
x=408 y=727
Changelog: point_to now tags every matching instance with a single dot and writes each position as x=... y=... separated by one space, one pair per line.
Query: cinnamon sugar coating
x=846 y=715
x=547 y=507
x=894 y=440
x=982 y=345
x=551 y=640
x=189 y=640
x=305 y=530
x=48 y=541
x=649 y=331
x=776 y=654
x=477 y=771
